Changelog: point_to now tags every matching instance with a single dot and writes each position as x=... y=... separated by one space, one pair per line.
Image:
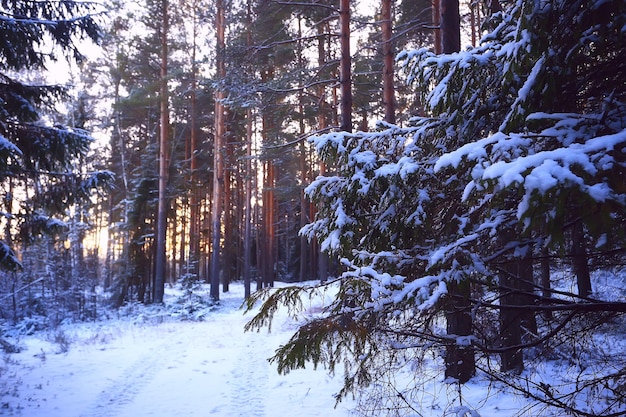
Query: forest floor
x=142 y=361
x=148 y=365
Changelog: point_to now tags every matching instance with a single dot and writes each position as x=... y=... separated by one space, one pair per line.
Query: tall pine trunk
x=218 y=150
x=345 y=74
x=194 y=218
x=304 y=250
x=450 y=24
x=517 y=325
x=247 y=236
x=269 y=213
x=388 y=88
x=228 y=251
x=436 y=16
x=159 y=269
x=319 y=262
x=546 y=284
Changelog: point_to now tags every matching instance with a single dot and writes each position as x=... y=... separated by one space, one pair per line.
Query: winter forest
x=448 y=175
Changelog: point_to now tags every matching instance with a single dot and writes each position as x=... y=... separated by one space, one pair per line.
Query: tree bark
x=159 y=272
x=459 y=358
x=228 y=249
x=511 y=360
x=318 y=261
x=345 y=75
x=388 y=71
x=579 y=260
x=450 y=23
x=304 y=249
x=247 y=236
x=270 y=231
x=545 y=278
x=218 y=150
x=436 y=15
x=194 y=218
x=460 y=362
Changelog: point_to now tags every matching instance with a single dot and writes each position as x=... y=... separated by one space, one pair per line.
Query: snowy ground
x=145 y=363
x=146 y=368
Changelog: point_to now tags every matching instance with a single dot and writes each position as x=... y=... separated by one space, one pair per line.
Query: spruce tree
x=520 y=155
x=34 y=153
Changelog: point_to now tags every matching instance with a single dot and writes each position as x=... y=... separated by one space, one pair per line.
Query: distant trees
x=192 y=132
x=252 y=85
x=518 y=157
x=288 y=72
x=244 y=104
x=149 y=106
x=134 y=72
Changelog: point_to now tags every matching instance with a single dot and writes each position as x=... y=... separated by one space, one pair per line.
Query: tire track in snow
x=248 y=385
x=122 y=390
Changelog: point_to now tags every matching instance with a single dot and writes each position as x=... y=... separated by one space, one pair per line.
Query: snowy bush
x=194 y=302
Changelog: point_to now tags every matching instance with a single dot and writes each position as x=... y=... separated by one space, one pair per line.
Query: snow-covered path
x=168 y=369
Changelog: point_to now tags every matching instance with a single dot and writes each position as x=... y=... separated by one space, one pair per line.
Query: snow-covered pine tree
x=43 y=154
x=524 y=138
x=37 y=157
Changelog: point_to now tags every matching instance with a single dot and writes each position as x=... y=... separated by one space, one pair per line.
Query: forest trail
x=168 y=369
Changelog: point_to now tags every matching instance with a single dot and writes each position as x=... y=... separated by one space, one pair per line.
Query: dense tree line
x=239 y=159
x=434 y=194
x=207 y=110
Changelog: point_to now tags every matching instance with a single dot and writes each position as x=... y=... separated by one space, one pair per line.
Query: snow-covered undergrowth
x=566 y=371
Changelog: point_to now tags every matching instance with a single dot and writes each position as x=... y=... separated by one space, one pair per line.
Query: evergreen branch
x=300 y=138
x=272 y=299
x=6 y=17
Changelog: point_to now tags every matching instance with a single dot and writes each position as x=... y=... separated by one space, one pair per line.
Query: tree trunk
x=545 y=279
x=345 y=75
x=517 y=326
x=181 y=212
x=474 y=30
x=159 y=269
x=450 y=23
x=460 y=362
x=194 y=218
x=218 y=150
x=247 y=236
x=459 y=358
x=436 y=15
x=579 y=259
x=388 y=71
x=229 y=238
x=303 y=272
x=260 y=239
x=510 y=324
x=269 y=209
x=318 y=261
x=494 y=6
